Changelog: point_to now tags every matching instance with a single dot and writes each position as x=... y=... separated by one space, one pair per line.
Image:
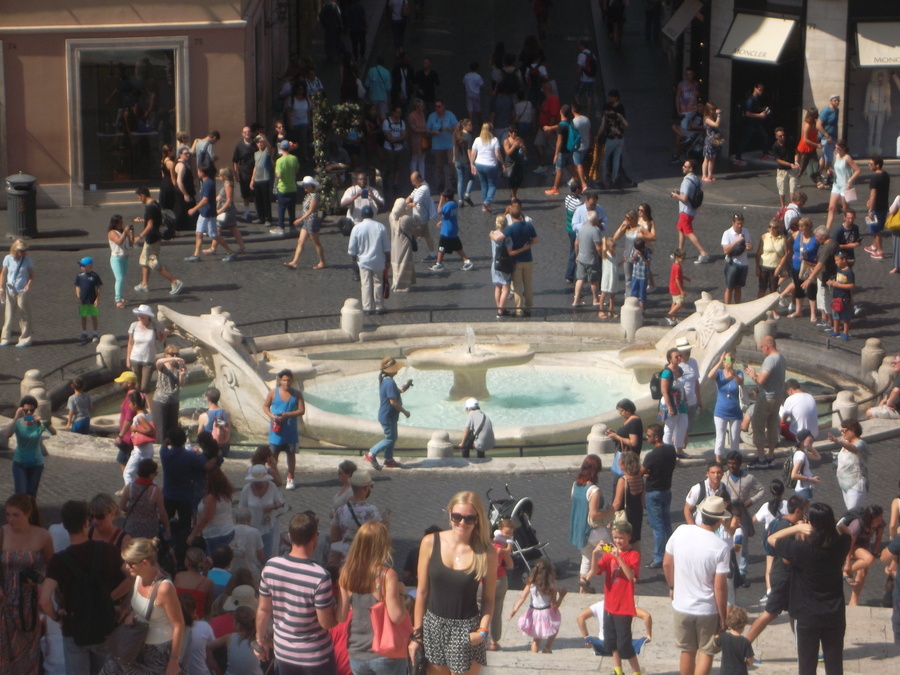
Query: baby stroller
x=691 y=146
x=526 y=547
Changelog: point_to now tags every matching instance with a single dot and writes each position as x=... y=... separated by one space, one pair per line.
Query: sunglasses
x=457 y=518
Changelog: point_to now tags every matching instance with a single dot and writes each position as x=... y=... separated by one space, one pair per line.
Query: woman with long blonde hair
x=367 y=578
x=448 y=624
x=226 y=212
x=486 y=160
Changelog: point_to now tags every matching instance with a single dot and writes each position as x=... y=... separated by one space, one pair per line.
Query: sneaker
x=392 y=464
x=870 y=249
x=176 y=287
x=289 y=483
x=4 y=343
x=277 y=231
x=551 y=191
x=371 y=459
x=671 y=321
x=845 y=337
x=84 y=338
x=740 y=162
x=431 y=257
x=95 y=338
x=827 y=328
x=468 y=265
x=468 y=200
x=541 y=169
x=192 y=258
x=758 y=464
x=877 y=256
x=784 y=303
x=486 y=208
x=834 y=334
x=437 y=267
x=821 y=323
x=702 y=260
x=20 y=344
x=140 y=288
x=231 y=257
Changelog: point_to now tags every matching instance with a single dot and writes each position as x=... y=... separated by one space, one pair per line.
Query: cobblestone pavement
x=258 y=288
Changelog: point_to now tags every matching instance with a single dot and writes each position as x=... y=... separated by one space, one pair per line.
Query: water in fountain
x=470 y=339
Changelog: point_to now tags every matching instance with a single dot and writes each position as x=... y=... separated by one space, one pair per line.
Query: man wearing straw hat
x=696 y=567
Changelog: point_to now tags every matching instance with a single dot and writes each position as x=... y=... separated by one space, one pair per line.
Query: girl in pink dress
x=542 y=620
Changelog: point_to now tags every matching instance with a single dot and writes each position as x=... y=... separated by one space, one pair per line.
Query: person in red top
x=676 y=286
x=502 y=541
x=621 y=564
x=549 y=117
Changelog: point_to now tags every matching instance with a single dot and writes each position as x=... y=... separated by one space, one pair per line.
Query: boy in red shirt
x=676 y=286
x=622 y=565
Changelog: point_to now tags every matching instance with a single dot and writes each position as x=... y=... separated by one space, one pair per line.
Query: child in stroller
x=525 y=545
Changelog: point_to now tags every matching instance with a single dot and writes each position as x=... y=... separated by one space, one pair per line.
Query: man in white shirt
x=581 y=213
x=360 y=195
x=736 y=241
x=691 y=377
x=696 y=566
x=423 y=211
x=798 y=412
x=370 y=246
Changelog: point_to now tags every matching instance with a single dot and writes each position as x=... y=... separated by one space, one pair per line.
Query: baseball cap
x=126 y=376
x=87 y=260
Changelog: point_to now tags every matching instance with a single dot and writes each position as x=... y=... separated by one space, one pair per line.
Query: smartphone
x=409 y=383
x=365 y=193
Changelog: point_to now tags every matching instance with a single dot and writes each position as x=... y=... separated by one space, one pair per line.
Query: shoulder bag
x=600 y=522
x=621 y=516
x=140 y=438
x=471 y=438
x=126 y=642
x=389 y=639
x=893 y=222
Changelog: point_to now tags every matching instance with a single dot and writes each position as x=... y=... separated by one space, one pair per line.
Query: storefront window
x=128 y=107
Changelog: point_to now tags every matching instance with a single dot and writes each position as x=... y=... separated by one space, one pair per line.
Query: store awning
x=878 y=44
x=756 y=38
x=681 y=19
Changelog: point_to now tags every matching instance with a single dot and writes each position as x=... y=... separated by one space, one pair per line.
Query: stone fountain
x=469 y=363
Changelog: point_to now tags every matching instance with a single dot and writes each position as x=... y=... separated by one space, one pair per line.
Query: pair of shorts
x=696 y=633
x=768 y=280
x=735 y=275
x=208 y=225
x=638 y=289
x=246 y=192
x=685 y=223
x=289 y=448
x=677 y=299
x=312 y=225
x=449 y=244
x=587 y=273
x=617 y=634
x=564 y=159
x=883 y=412
x=778 y=597
x=846 y=315
x=447 y=642
x=545 y=139
x=827 y=150
x=88 y=310
x=578 y=157
x=473 y=102
x=880 y=220
x=584 y=89
x=150 y=256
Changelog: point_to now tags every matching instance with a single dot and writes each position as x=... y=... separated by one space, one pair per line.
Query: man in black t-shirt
x=427 y=83
x=86 y=612
x=149 y=259
x=244 y=161
x=877 y=204
x=785 y=162
x=658 y=467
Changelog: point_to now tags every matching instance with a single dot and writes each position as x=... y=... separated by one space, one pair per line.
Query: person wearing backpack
x=85 y=579
x=567 y=141
x=612 y=130
x=586 y=71
x=690 y=197
x=149 y=259
x=216 y=421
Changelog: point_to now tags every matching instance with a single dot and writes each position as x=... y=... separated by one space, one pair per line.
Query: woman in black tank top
x=447 y=621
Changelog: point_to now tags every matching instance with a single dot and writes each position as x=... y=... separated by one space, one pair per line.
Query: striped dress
x=298 y=587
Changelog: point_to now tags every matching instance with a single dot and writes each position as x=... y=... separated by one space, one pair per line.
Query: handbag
x=837 y=305
x=140 y=438
x=469 y=443
x=389 y=639
x=893 y=221
x=426 y=143
x=599 y=522
x=126 y=642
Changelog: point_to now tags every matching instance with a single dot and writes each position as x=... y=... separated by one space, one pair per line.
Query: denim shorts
x=564 y=159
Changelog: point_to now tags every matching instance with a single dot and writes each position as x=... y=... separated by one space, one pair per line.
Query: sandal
x=209 y=251
x=120 y=304
x=494 y=646
x=290 y=265
x=320 y=266
x=602 y=315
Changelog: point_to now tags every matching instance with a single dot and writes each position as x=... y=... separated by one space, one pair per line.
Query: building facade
x=803 y=52
x=91 y=90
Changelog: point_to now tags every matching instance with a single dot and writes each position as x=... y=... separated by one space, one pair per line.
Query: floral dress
x=20 y=626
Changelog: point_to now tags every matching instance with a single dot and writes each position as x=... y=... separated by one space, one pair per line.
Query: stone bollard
x=843 y=408
x=109 y=354
x=43 y=406
x=702 y=302
x=352 y=318
x=31 y=379
x=440 y=447
x=870 y=359
x=767 y=328
x=632 y=317
x=598 y=443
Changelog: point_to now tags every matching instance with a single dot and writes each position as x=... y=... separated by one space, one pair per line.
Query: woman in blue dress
x=727 y=414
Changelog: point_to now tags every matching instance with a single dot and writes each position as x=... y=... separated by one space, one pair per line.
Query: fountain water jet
x=469 y=363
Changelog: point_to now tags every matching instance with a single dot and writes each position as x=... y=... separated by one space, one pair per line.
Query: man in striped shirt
x=296 y=593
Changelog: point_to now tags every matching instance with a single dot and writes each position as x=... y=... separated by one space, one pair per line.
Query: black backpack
x=90 y=609
x=167 y=231
x=656 y=385
x=504 y=262
x=696 y=199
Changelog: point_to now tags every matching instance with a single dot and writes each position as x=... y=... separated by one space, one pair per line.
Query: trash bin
x=21 y=206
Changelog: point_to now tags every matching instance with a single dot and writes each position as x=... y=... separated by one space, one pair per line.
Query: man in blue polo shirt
x=441 y=124
x=521 y=231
